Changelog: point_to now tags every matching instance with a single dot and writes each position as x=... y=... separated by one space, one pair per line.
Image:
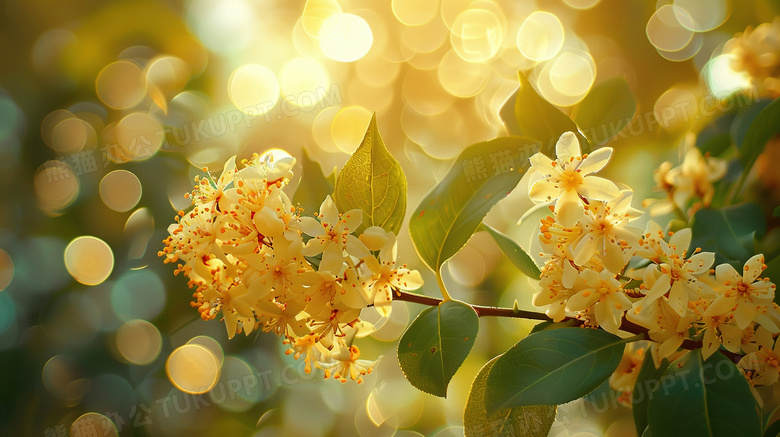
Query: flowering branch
x=485 y=311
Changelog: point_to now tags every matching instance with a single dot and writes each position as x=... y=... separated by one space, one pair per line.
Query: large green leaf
x=314 y=186
x=435 y=345
x=451 y=212
x=764 y=126
x=549 y=324
x=552 y=367
x=527 y=114
x=606 y=110
x=703 y=398
x=728 y=231
x=373 y=181
x=513 y=252
x=646 y=381
x=526 y=421
x=715 y=138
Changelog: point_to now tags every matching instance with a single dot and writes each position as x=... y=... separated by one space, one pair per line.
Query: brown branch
x=484 y=311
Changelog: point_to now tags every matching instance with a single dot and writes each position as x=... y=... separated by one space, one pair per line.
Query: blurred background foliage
x=108 y=109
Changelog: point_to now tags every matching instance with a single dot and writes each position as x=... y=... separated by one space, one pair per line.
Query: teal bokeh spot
x=138 y=294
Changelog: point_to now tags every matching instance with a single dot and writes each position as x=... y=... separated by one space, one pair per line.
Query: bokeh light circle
x=89 y=260
x=345 y=37
x=56 y=186
x=91 y=423
x=461 y=78
x=349 y=126
x=138 y=294
x=138 y=341
x=413 y=12
x=120 y=190
x=193 y=368
x=121 y=85
x=540 y=36
x=254 y=89
x=477 y=35
x=304 y=82
x=701 y=15
x=665 y=31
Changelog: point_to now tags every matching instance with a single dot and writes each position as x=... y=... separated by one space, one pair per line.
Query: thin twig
x=485 y=311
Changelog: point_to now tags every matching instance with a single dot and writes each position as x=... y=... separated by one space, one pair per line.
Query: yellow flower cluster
x=691 y=181
x=672 y=291
x=757 y=52
x=251 y=257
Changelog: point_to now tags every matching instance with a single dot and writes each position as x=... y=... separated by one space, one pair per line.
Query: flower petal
x=753 y=268
x=585 y=248
x=681 y=241
x=568 y=146
x=328 y=212
x=542 y=164
x=568 y=208
x=543 y=190
x=352 y=220
x=595 y=161
x=596 y=188
x=726 y=273
x=310 y=227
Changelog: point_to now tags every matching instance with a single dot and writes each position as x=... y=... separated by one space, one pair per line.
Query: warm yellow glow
x=665 y=31
x=567 y=79
x=72 y=135
x=56 y=186
x=193 y=368
x=139 y=135
x=702 y=15
x=89 y=260
x=304 y=82
x=541 y=36
x=345 y=37
x=138 y=341
x=315 y=13
x=581 y=4
x=477 y=35
x=349 y=126
x=121 y=85
x=120 y=190
x=88 y=422
x=722 y=79
x=415 y=13
x=253 y=89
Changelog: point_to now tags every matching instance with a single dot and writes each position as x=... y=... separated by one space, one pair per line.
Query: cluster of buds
x=252 y=258
x=588 y=243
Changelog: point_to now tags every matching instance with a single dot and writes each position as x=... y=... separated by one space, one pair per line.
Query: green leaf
x=764 y=126
x=728 y=231
x=549 y=324
x=776 y=212
x=314 y=186
x=451 y=212
x=773 y=430
x=606 y=110
x=552 y=367
x=373 y=181
x=527 y=114
x=513 y=252
x=703 y=398
x=435 y=345
x=646 y=381
x=527 y=421
x=715 y=137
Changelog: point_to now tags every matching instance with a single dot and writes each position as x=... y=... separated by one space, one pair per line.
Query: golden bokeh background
x=109 y=109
